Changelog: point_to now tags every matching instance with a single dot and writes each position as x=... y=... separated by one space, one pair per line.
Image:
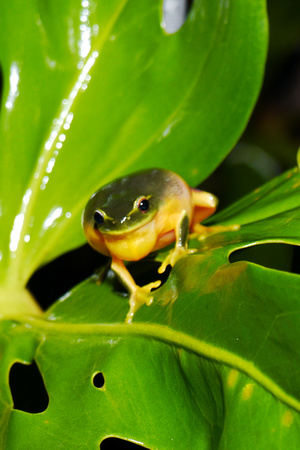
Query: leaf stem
x=17 y=302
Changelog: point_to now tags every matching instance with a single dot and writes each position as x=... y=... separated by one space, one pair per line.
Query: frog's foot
x=201 y=232
x=140 y=296
x=175 y=255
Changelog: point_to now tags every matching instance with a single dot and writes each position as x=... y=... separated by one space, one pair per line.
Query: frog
x=141 y=213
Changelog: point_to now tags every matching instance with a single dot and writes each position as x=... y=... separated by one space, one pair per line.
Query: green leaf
x=217 y=351
x=278 y=195
x=149 y=388
x=94 y=90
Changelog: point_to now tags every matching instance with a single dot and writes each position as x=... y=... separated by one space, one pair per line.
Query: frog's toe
x=175 y=256
x=140 y=296
x=163 y=265
x=203 y=232
x=153 y=285
x=135 y=302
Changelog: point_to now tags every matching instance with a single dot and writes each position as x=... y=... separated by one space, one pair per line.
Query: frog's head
x=120 y=207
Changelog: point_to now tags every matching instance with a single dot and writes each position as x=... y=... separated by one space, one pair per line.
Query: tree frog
x=139 y=214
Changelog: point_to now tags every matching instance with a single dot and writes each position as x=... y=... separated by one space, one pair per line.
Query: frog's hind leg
x=205 y=205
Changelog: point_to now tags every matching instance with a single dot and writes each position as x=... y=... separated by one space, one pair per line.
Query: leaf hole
x=175 y=13
x=119 y=444
x=27 y=388
x=277 y=256
x=98 y=380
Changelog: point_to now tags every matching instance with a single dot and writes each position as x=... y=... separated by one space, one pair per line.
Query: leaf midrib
x=168 y=335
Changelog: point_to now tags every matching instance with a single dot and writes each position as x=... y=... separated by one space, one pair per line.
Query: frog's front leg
x=181 y=246
x=138 y=295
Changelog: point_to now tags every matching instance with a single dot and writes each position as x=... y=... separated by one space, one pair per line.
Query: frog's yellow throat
x=131 y=246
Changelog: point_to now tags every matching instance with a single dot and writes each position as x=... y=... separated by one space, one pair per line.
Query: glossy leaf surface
x=219 y=337
x=93 y=90
x=147 y=387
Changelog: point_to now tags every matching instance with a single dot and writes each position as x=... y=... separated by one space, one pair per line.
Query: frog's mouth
x=123 y=227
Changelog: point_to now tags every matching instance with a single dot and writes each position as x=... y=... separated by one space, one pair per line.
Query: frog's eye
x=143 y=205
x=98 y=217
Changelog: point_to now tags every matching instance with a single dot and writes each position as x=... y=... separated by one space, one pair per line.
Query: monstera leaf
x=93 y=90
x=216 y=352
